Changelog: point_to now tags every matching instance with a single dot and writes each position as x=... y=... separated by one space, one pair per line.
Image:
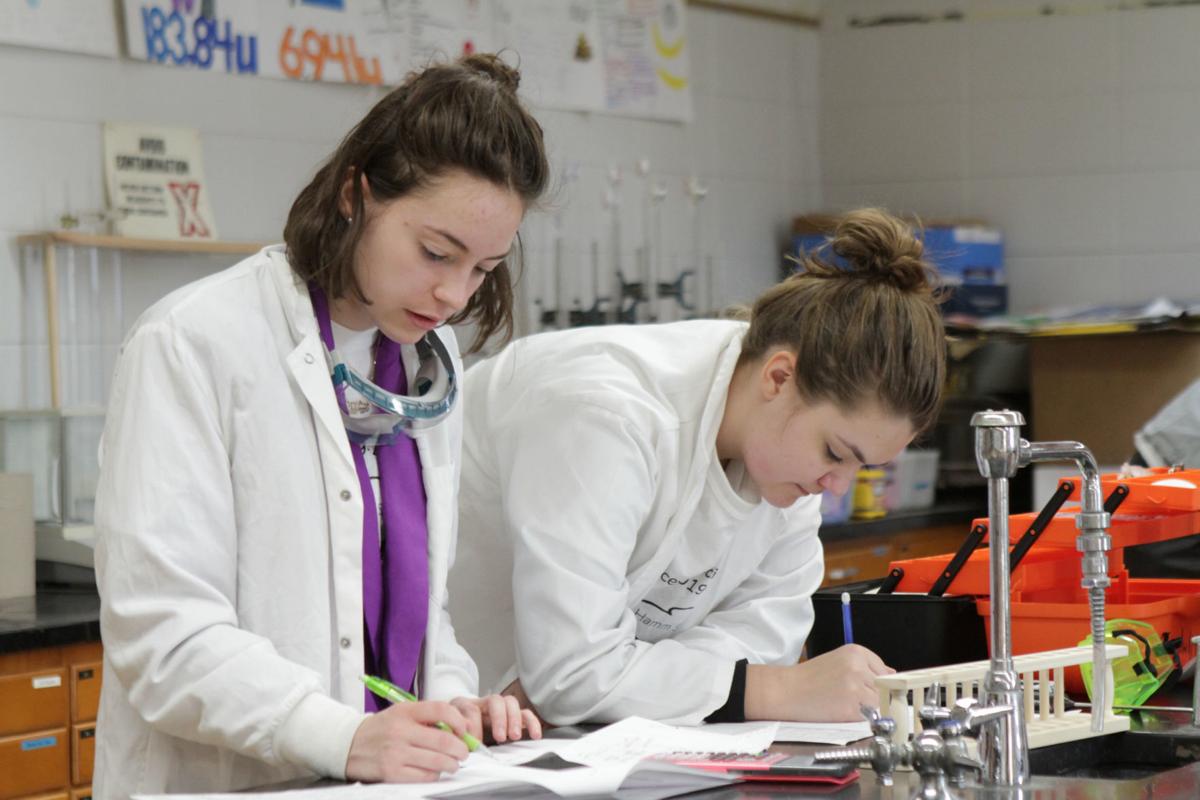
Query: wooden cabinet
x=34 y=763
x=49 y=699
x=85 y=691
x=862 y=558
x=33 y=701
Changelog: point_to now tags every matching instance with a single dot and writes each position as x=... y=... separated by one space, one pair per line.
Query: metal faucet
x=938 y=754
x=1000 y=452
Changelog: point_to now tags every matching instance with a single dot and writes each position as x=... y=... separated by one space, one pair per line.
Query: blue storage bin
x=963 y=254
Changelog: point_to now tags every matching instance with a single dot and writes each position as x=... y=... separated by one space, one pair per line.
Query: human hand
x=515 y=689
x=401 y=745
x=828 y=688
x=500 y=718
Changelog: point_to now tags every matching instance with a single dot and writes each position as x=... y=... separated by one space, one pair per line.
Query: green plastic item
x=1139 y=674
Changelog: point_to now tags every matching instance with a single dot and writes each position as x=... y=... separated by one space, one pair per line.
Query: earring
x=349 y=220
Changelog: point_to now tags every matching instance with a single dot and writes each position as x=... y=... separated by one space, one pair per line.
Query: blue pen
x=847 y=628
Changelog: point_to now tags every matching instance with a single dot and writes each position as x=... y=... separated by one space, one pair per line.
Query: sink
x=1119 y=756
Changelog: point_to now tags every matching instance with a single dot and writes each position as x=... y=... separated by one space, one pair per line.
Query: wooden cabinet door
x=83 y=753
x=33 y=763
x=33 y=701
x=85 y=691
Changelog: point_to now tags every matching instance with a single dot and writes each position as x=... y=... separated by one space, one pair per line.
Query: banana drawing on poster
x=156 y=185
x=669 y=40
x=646 y=61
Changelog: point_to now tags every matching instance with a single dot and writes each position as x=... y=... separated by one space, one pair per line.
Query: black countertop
x=52 y=618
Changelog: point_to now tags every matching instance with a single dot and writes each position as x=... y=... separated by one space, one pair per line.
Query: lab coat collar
x=306 y=361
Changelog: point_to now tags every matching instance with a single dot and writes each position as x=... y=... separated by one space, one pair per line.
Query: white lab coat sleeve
x=768 y=616
x=578 y=483
x=167 y=568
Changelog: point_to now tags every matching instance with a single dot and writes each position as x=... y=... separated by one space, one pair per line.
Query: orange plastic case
x=1041 y=569
x=1049 y=608
x=1145 y=496
x=1059 y=618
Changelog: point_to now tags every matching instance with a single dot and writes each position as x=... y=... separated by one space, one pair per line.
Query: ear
x=346 y=196
x=778 y=372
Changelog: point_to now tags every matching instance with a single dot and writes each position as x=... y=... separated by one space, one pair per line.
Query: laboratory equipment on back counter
x=579 y=277
x=612 y=206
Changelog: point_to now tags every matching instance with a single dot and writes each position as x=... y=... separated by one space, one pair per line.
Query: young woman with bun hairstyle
x=648 y=496
x=276 y=507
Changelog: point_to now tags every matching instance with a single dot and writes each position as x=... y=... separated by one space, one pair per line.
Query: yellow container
x=870 y=486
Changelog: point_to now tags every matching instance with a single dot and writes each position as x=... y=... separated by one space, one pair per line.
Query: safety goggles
x=396 y=414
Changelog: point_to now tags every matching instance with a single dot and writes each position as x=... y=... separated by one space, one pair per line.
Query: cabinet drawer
x=35 y=763
x=85 y=691
x=33 y=701
x=858 y=563
x=81 y=794
x=83 y=753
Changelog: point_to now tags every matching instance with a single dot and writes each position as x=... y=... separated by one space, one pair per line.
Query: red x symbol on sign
x=187 y=197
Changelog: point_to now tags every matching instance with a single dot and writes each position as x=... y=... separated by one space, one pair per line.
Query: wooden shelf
x=146 y=245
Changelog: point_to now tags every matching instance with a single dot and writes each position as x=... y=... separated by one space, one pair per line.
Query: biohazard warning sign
x=156 y=185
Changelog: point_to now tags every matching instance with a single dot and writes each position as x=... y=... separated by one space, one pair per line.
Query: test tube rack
x=1051 y=724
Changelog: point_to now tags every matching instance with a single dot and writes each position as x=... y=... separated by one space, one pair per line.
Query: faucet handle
x=971 y=715
x=932 y=711
x=880 y=725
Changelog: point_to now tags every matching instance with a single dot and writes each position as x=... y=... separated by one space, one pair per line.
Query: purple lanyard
x=395 y=569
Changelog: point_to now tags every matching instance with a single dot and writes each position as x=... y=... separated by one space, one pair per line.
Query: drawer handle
x=86 y=674
x=87 y=734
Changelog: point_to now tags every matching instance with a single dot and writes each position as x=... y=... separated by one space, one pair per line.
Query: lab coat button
x=308 y=358
x=345 y=643
x=345 y=495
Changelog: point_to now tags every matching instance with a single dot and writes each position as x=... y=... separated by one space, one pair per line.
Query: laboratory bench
x=52 y=641
x=50 y=676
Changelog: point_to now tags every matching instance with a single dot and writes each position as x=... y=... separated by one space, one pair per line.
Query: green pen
x=394 y=694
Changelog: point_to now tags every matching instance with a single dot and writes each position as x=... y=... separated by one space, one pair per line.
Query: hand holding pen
x=507 y=718
x=417 y=740
x=395 y=695
x=402 y=744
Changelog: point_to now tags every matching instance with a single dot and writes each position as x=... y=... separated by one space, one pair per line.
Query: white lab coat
x=584 y=461
x=229 y=544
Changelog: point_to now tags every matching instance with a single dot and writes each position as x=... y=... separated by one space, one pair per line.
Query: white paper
x=823 y=732
x=635 y=737
x=613 y=757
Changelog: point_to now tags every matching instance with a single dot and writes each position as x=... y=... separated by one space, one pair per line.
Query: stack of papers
x=612 y=762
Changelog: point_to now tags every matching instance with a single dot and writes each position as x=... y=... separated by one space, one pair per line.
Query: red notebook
x=767 y=766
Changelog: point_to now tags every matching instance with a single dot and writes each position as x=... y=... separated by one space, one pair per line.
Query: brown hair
x=463 y=115
x=865 y=328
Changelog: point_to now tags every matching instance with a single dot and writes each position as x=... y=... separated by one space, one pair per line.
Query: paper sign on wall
x=628 y=57
x=156 y=185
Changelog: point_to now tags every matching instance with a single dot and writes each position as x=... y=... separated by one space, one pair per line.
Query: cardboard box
x=1100 y=389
